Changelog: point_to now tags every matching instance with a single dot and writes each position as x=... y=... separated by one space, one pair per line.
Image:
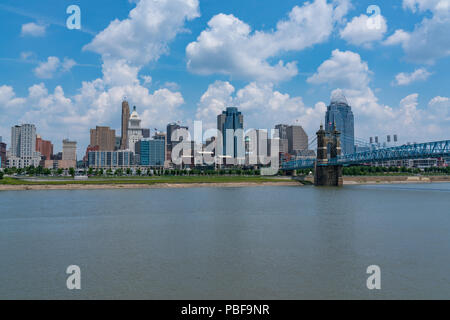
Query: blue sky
x=278 y=61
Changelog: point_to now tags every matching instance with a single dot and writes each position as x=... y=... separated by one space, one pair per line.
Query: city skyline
x=66 y=93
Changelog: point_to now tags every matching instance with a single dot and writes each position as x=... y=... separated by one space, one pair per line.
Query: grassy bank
x=144 y=180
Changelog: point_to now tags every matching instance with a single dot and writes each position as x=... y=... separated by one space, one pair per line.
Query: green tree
x=72 y=172
x=1 y=175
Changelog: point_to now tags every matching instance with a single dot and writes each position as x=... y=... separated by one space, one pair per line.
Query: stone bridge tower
x=328 y=174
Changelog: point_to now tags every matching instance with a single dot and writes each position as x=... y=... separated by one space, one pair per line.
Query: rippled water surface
x=227 y=243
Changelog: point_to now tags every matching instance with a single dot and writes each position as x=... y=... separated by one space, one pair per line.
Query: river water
x=283 y=242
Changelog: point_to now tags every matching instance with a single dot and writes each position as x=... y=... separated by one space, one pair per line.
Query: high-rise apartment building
x=340 y=113
x=44 y=147
x=124 y=127
x=231 y=119
x=23 y=147
x=104 y=138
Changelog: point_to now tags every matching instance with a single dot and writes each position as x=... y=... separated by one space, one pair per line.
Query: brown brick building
x=104 y=138
x=44 y=147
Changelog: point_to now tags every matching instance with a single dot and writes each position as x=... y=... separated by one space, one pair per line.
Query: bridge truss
x=436 y=149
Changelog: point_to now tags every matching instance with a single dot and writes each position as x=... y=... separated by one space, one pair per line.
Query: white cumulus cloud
x=33 y=29
x=48 y=69
x=347 y=71
x=229 y=46
x=144 y=35
x=364 y=30
x=343 y=69
x=263 y=106
x=428 y=41
x=403 y=79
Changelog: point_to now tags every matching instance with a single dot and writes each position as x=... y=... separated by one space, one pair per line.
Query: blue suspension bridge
x=330 y=163
x=435 y=149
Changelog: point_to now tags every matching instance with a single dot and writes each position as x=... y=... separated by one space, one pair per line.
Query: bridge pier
x=324 y=173
x=328 y=176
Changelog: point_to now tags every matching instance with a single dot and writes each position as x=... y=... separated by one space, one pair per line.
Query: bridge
x=329 y=168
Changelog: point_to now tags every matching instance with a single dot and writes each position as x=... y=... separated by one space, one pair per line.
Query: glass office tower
x=232 y=119
x=340 y=113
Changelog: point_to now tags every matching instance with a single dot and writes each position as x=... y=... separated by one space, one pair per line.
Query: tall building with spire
x=125 y=122
x=134 y=130
x=340 y=113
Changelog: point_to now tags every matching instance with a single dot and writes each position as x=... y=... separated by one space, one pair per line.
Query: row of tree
x=37 y=171
x=366 y=170
x=348 y=171
x=172 y=172
x=40 y=171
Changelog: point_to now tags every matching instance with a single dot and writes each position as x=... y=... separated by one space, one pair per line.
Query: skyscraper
x=297 y=139
x=69 y=150
x=340 y=113
x=171 y=139
x=282 y=130
x=231 y=119
x=134 y=130
x=23 y=147
x=292 y=138
x=125 y=120
x=104 y=138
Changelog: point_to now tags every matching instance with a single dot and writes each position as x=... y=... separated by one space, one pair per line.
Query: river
x=282 y=242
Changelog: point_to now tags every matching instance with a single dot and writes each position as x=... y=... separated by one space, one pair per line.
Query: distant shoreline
x=208 y=182
x=144 y=185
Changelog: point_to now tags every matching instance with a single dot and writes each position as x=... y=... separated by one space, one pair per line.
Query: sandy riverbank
x=355 y=180
x=144 y=186
x=394 y=179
